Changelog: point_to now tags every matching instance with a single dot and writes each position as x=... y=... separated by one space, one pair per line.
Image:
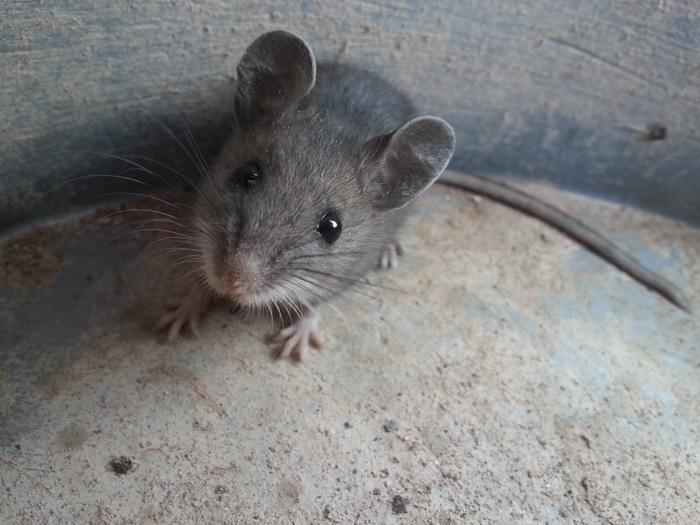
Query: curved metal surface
x=556 y=90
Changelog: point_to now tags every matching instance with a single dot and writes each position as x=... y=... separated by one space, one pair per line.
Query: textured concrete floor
x=514 y=378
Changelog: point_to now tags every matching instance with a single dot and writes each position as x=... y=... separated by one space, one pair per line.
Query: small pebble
x=398 y=505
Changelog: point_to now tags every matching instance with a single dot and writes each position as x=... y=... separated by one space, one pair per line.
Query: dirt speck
x=398 y=505
x=390 y=426
x=121 y=465
x=656 y=132
x=586 y=441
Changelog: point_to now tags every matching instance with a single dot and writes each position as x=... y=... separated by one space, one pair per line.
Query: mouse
x=311 y=190
x=308 y=194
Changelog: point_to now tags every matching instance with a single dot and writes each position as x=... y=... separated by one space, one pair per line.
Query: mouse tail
x=572 y=228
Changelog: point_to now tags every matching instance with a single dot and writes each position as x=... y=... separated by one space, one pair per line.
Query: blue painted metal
x=555 y=90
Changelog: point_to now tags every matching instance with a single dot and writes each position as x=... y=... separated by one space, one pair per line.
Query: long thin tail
x=571 y=227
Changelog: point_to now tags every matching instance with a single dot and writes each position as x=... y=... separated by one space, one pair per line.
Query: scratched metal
x=557 y=90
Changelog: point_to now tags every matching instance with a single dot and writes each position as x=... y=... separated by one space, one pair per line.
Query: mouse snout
x=242 y=275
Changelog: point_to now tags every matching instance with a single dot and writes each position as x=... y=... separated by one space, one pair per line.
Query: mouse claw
x=293 y=341
x=188 y=312
x=389 y=258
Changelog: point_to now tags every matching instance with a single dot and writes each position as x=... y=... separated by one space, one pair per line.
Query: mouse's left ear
x=277 y=70
x=406 y=162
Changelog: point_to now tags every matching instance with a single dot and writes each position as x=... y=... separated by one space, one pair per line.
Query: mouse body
x=308 y=194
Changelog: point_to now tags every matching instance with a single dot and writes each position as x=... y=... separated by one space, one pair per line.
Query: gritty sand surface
x=502 y=374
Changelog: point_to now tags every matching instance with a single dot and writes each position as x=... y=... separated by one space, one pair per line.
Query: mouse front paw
x=187 y=312
x=389 y=257
x=293 y=341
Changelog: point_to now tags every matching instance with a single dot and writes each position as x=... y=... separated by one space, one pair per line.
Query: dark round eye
x=248 y=175
x=330 y=227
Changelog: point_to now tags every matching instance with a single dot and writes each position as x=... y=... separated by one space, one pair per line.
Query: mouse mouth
x=240 y=286
x=275 y=300
x=247 y=281
x=274 y=296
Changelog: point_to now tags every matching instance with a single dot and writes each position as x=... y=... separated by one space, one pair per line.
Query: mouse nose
x=242 y=275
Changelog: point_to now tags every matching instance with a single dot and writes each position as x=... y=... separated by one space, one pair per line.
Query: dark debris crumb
x=377 y=491
x=398 y=505
x=586 y=441
x=656 y=132
x=220 y=489
x=390 y=426
x=347 y=424
x=121 y=465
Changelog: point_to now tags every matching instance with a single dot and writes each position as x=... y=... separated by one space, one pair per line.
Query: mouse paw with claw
x=293 y=341
x=389 y=258
x=188 y=311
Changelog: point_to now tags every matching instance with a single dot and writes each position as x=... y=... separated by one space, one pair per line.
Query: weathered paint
x=539 y=89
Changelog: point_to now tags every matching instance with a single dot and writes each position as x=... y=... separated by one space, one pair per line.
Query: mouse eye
x=330 y=227
x=248 y=175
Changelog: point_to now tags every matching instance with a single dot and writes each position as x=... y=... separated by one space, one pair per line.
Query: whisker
x=359 y=282
x=348 y=296
x=94 y=176
x=144 y=230
x=291 y=245
x=331 y=254
x=193 y=279
x=175 y=265
x=143 y=210
x=149 y=253
x=346 y=293
x=202 y=162
x=189 y=155
x=187 y=180
x=291 y=303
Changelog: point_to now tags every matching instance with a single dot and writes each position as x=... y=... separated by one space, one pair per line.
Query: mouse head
x=296 y=208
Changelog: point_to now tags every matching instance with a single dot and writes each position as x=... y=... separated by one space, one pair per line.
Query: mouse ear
x=276 y=71
x=409 y=160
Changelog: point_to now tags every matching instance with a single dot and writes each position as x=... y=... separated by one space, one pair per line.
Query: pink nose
x=236 y=285
x=241 y=276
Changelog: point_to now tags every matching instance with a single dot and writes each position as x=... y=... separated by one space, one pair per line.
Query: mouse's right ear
x=276 y=70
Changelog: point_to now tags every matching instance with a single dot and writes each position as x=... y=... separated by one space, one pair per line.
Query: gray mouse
x=309 y=193
x=311 y=190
